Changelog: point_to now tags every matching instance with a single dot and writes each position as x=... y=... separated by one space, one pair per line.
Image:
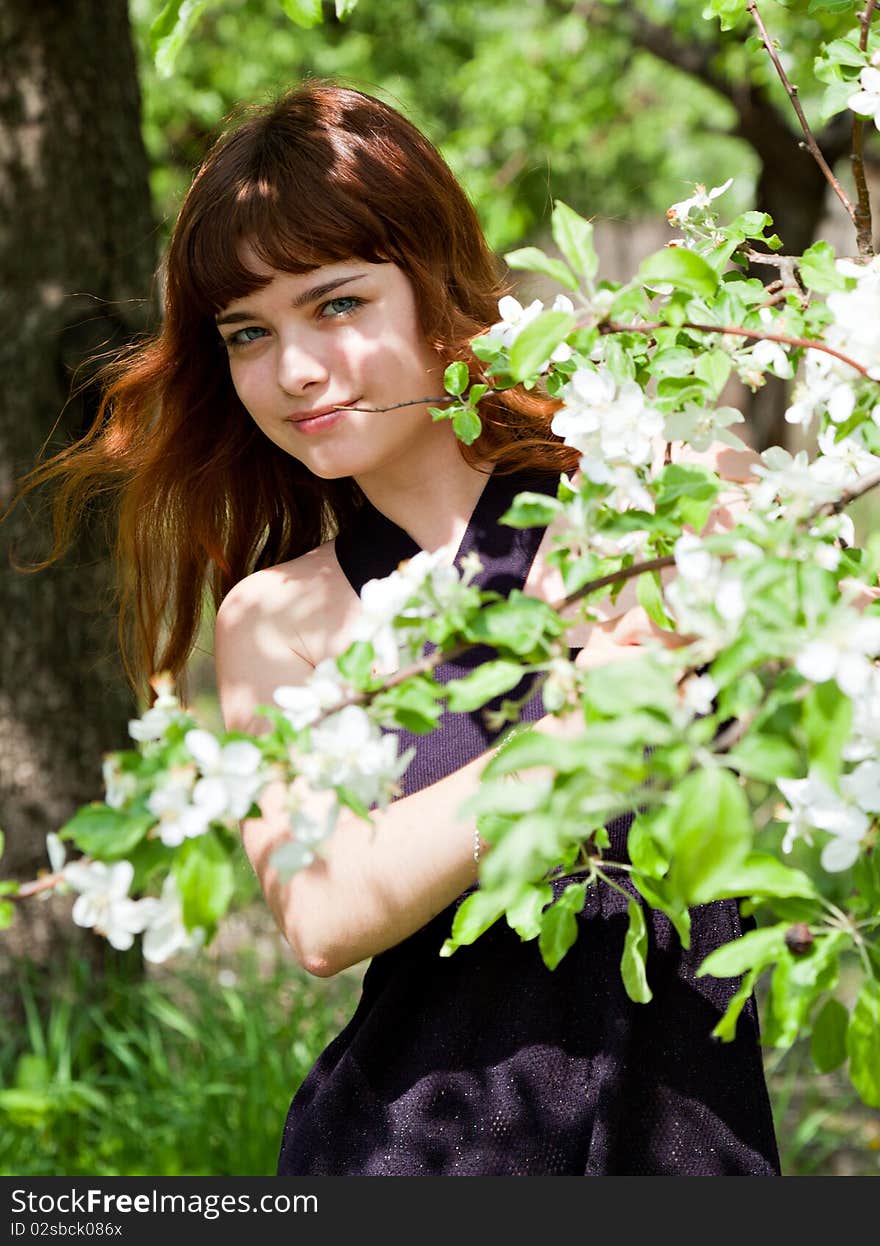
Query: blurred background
x=108 y=1065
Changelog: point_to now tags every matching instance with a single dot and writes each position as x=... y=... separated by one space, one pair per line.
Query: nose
x=301 y=364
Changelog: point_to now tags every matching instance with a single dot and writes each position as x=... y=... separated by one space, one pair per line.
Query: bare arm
x=370 y=887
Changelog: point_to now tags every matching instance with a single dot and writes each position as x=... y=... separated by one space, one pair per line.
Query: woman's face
x=307 y=346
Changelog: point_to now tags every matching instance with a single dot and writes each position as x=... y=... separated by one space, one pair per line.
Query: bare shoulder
x=728 y=462
x=275 y=626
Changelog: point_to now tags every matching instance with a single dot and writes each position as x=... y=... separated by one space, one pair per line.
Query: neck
x=433 y=499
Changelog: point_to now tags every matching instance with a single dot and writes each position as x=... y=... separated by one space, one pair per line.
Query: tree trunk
x=76 y=258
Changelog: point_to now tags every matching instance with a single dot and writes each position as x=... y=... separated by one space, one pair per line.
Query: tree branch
x=792 y=93
x=755 y=334
x=862 y=218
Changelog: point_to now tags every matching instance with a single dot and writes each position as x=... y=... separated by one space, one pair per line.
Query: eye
x=342 y=306
x=243 y=337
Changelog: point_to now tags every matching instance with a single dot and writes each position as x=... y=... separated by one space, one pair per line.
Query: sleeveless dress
x=487 y=1063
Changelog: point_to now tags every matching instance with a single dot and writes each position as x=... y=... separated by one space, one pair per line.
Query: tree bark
x=77 y=253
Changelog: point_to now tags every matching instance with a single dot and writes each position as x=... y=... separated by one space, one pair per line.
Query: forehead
x=311 y=284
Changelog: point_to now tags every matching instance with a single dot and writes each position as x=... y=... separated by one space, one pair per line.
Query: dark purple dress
x=489 y=1064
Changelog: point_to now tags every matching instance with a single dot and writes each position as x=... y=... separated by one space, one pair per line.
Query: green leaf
x=863 y=1043
x=817 y=268
x=413 y=704
x=635 y=947
x=531 y=510
x=205 y=880
x=533 y=260
x=710 y=834
x=104 y=833
x=726 y=1027
x=466 y=425
x=345 y=8
x=650 y=597
x=536 y=748
x=827 y=720
x=456 y=378
x=305 y=13
x=524 y=915
x=828 y=1039
x=680 y=268
x=730 y=12
x=659 y=896
x=170 y=31
x=487 y=681
x=830 y=6
x=7 y=914
x=473 y=916
x=356 y=663
x=754 y=950
x=714 y=367
x=643 y=850
x=764 y=875
x=559 y=924
x=537 y=341
x=520 y=623
x=798 y=980
x=574 y=237
x=767 y=757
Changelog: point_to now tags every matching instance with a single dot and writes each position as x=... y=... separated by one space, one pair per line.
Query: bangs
x=296 y=207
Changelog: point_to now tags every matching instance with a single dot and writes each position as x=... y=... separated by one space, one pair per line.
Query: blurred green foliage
x=528 y=101
x=615 y=108
x=190 y=1073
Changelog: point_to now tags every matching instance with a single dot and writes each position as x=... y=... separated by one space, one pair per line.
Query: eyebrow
x=301 y=300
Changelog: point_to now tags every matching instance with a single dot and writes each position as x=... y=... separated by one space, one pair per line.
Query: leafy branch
x=792 y=92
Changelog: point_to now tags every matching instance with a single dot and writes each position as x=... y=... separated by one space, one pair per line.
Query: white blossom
x=57 y=855
x=430 y=574
x=815 y=806
x=822 y=388
x=348 y=750
x=701 y=200
x=232 y=775
x=154 y=722
x=707 y=597
x=515 y=317
x=771 y=357
x=867 y=101
x=104 y=903
x=171 y=802
x=165 y=933
x=864 y=742
x=701 y=427
x=843 y=652
x=304 y=704
x=789 y=481
x=697 y=694
x=119 y=785
x=855 y=330
x=609 y=424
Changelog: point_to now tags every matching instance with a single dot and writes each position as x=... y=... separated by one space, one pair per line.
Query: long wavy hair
x=201 y=497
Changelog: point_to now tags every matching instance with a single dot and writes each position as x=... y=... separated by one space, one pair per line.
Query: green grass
x=181 y=1076
x=190 y=1071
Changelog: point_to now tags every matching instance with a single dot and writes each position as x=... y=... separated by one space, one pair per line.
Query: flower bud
x=799 y=939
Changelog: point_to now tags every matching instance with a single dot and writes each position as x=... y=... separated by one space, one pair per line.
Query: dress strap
x=373 y=546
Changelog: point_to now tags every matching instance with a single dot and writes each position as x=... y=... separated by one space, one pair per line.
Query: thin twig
x=792 y=93
x=610 y=326
x=411 y=402
x=862 y=218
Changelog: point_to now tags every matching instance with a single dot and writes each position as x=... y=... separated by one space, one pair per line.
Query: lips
x=302 y=416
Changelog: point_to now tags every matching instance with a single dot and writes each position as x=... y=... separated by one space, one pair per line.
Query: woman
x=324 y=269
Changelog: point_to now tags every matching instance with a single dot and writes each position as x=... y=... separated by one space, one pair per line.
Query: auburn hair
x=202 y=498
